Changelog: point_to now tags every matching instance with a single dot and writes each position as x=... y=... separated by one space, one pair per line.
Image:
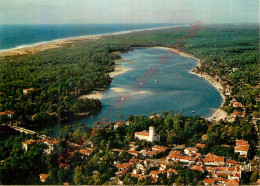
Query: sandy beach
x=218 y=113
x=42 y=46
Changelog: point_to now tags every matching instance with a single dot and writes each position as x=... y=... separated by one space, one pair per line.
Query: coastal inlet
x=171 y=88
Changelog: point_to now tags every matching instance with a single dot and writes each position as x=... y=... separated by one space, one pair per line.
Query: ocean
x=13 y=36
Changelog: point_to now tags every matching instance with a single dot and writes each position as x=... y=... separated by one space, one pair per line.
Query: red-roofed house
x=190 y=150
x=26 y=143
x=126 y=167
x=231 y=162
x=231 y=182
x=209 y=181
x=173 y=156
x=171 y=171
x=118 y=124
x=200 y=145
x=237 y=104
x=86 y=152
x=242 y=143
x=198 y=168
x=163 y=166
x=153 y=153
x=242 y=150
x=52 y=145
x=43 y=177
x=155 y=174
x=135 y=153
x=9 y=114
x=65 y=166
x=160 y=148
x=212 y=159
x=25 y=91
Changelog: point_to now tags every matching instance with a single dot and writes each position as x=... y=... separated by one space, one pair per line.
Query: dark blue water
x=174 y=88
x=12 y=36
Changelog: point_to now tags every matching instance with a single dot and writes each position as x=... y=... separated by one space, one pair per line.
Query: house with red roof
x=171 y=171
x=156 y=116
x=133 y=152
x=209 y=181
x=25 y=91
x=118 y=124
x=242 y=150
x=65 y=166
x=242 y=147
x=237 y=104
x=198 y=168
x=173 y=156
x=26 y=143
x=155 y=175
x=43 y=177
x=160 y=148
x=190 y=150
x=52 y=145
x=200 y=145
x=163 y=166
x=153 y=153
x=211 y=159
x=86 y=152
x=231 y=182
x=9 y=113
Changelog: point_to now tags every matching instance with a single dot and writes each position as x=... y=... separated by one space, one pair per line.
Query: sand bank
x=92 y=95
x=118 y=71
x=118 y=90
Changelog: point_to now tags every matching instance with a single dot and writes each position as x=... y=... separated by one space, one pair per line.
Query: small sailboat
x=155 y=80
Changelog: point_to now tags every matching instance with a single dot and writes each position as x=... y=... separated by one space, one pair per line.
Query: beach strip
x=42 y=46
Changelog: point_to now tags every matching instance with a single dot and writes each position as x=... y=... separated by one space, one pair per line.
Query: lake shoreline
x=219 y=113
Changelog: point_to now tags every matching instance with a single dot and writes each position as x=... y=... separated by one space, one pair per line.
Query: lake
x=171 y=88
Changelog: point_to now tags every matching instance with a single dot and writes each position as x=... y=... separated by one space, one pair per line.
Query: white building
x=148 y=136
x=52 y=145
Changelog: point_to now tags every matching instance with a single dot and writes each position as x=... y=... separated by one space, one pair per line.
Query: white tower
x=151 y=133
